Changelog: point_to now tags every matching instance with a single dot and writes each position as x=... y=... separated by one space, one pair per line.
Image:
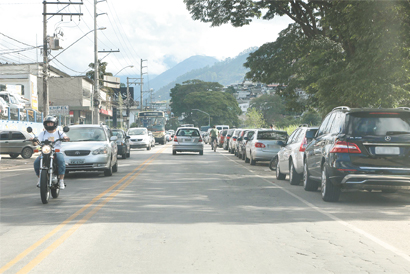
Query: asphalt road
x=195 y=214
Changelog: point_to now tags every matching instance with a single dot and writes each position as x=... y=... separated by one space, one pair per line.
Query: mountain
x=192 y=63
x=227 y=72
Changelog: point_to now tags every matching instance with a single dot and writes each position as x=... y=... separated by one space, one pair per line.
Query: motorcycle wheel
x=55 y=191
x=44 y=189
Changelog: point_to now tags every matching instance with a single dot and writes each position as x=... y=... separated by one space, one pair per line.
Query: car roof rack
x=404 y=108
x=342 y=108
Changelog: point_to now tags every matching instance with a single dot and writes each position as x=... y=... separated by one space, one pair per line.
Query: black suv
x=364 y=148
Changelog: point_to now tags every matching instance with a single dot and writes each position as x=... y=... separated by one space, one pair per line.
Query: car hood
x=138 y=136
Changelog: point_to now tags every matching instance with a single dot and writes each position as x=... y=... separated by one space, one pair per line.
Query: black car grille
x=77 y=152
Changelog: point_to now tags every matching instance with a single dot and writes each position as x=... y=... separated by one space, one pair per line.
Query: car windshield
x=272 y=135
x=379 y=124
x=84 y=134
x=137 y=131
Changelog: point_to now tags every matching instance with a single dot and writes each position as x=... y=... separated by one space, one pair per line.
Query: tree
x=208 y=97
x=254 y=119
x=102 y=67
x=340 y=52
x=271 y=107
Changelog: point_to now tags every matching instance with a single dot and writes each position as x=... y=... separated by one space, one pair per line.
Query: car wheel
x=201 y=152
x=115 y=167
x=294 y=177
x=253 y=161
x=108 y=172
x=272 y=163
x=246 y=158
x=308 y=184
x=26 y=153
x=14 y=155
x=330 y=192
x=149 y=147
x=279 y=175
x=174 y=152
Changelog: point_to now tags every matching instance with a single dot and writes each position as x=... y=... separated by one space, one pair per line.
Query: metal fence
x=25 y=115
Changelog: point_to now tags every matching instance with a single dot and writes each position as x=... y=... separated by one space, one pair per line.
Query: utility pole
x=46 y=96
x=142 y=81
x=96 y=96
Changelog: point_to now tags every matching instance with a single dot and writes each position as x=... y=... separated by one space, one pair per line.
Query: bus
x=155 y=122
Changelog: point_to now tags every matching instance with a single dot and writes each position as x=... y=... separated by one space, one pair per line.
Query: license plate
x=77 y=162
x=387 y=150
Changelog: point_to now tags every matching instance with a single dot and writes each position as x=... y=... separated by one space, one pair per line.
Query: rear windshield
x=188 y=132
x=272 y=135
x=379 y=124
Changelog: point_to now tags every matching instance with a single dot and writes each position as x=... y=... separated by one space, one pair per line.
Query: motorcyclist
x=51 y=133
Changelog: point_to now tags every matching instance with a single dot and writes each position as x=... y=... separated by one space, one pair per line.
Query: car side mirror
x=29 y=130
x=66 y=129
x=113 y=138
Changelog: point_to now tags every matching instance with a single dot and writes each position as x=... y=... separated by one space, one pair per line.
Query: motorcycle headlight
x=46 y=149
x=101 y=150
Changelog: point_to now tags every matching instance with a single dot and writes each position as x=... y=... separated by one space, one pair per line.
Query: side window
x=17 y=136
x=337 y=123
x=322 y=127
x=292 y=137
x=330 y=123
x=4 y=136
x=300 y=136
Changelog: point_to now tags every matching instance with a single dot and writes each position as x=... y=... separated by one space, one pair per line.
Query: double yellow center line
x=123 y=183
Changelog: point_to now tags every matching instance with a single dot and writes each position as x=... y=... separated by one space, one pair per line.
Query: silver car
x=188 y=139
x=264 y=144
x=92 y=148
x=15 y=143
x=139 y=138
x=290 y=158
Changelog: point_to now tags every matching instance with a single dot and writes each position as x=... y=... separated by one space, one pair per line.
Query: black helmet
x=50 y=119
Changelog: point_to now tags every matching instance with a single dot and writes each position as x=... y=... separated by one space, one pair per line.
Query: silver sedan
x=188 y=139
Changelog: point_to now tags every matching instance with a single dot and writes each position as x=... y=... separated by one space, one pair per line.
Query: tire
x=174 y=152
x=215 y=146
x=14 y=155
x=129 y=153
x=247 y=160
x=272 y=163
x=330 y=192
x=253 y=162
x=44 y=189
x=308 y=184
x=26 y=153
x=201 y=152
x=279 y=175
x=115 y=167
x=294 y=177
x=108 y=172
x=55 y=192
x=149 y=147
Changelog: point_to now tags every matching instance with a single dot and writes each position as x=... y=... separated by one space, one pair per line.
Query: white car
x=139 y=138
x=264 y=145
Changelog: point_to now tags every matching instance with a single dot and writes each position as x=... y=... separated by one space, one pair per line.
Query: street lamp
x=209 y=116
x=130 y=66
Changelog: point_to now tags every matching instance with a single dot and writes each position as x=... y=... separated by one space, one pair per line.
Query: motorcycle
x=49 y=181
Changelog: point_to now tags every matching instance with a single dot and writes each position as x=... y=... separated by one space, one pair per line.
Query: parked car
x=290 y=158
x=221 y=138
x=367 y=149
x=91 y=148
x=242 y=144
x=228 y=138
x=15 y=143
x=188 y=139
x=264 y=144
x=238 y=142
x=152 y=138
x=139 y=138
x=232 y=141
x=123 y=143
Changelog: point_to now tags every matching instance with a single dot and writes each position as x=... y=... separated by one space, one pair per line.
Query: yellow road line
x=142 y=166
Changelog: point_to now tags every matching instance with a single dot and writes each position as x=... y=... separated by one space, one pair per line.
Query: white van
x=221 y=127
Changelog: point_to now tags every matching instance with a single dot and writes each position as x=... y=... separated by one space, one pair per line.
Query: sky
x=161 y=32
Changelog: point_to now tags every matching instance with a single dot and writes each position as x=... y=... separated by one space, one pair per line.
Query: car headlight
x=46 y=149
x=101 y=150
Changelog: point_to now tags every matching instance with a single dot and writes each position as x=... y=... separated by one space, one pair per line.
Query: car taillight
x=57 y=150
x=200 y=139
x=261 y=145
x=303 y=145
x=345 y=147
x=175 y=139
x=228 y=138
x=234 y=138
